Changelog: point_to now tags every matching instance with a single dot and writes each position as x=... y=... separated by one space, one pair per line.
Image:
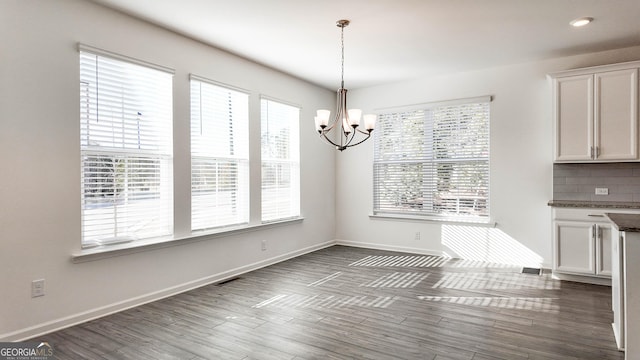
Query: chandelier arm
x=324 y=136
x=338 y=147
x=330 y=127
x=361 y=141
x=341 y=113
x=349 y=138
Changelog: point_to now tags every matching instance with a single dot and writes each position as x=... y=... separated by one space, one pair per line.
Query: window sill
x=435 y=220
x=107 y=251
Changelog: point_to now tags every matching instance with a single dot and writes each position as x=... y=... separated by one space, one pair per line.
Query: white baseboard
x=65 y=322
x=388 y=247
x=582 y=279
x=616 y=336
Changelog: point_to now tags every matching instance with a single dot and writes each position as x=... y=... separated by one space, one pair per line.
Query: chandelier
x=345 y=120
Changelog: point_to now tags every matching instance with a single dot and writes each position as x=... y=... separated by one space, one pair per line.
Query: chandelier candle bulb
x=323 y=116
x=354 y=117
x=370 y=121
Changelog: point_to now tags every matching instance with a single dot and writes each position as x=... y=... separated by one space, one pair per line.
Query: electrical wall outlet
x=602 y=191
x=417 y=237
x=264 y=245
x=37 y=288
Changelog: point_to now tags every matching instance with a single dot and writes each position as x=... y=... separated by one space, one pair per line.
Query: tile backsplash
x=579 y=181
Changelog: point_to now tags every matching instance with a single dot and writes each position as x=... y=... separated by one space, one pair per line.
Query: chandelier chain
x=342 y=62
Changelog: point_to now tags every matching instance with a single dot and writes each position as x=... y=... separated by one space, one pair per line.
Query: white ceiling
x=392 y=40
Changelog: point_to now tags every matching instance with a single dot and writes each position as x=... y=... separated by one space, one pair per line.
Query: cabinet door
x=617 y=287
x=573 y=97
x=603 y=249
x=574 y=247
x=616 y=115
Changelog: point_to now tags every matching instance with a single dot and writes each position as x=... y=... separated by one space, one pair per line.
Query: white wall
x=521 y=165
x=40 y=176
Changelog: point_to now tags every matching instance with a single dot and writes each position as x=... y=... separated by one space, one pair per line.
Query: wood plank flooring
x=351 y=303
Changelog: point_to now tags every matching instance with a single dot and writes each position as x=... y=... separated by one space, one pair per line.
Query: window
x=434 y=161
x=219 y=156
x=280 y=161
x=126 y=149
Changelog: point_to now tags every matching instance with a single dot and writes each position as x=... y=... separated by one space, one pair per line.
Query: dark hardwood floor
x=350 y=303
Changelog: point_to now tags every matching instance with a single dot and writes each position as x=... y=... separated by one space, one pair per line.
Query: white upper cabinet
x=596 y=114
x=574 y=117
x=616 y=115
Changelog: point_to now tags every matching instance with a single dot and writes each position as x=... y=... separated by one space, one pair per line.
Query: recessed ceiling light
x=581 y=21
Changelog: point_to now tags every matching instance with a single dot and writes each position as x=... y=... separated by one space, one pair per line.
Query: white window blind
x=280 y=160
x=126 y=150
x=219 y=156
x=433 y=161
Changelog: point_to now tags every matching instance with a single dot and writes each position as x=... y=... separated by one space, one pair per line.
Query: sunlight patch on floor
x=488 y=281
x=397 y=280
x=519 y=303
x=401 y=261
x=326 y=301
x=325 y=279
x=487 y=244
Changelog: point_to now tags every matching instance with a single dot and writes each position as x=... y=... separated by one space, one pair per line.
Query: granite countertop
x=594 y=204
x=625 y=222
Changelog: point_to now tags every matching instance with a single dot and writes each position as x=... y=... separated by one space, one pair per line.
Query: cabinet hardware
x=592 y=152
x=597 y=152
x=595 y=215
x=593 y=231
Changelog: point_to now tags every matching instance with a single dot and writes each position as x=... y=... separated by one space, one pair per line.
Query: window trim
x=435 y=104
x=203 y=79
x=435 y=217
x=112 y=250
x=90 y=150
x=101 y=52
x=488 y=222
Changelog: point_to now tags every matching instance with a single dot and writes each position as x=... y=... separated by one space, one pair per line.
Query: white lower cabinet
x=582 y=243
x=582 y=248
